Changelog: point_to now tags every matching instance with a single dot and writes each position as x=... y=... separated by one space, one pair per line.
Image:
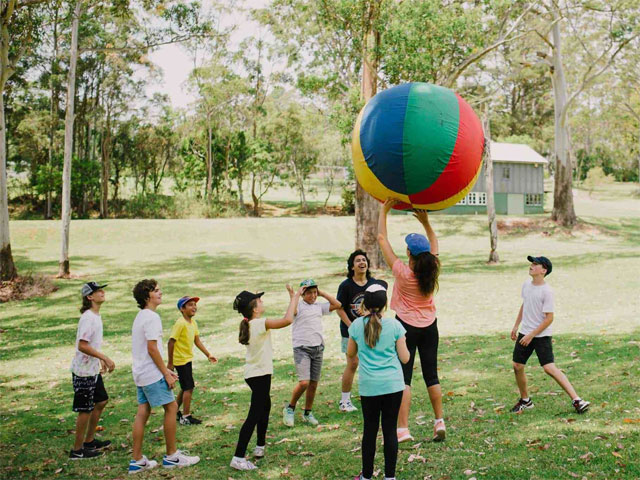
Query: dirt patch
x=26 y=287
x=545 y=227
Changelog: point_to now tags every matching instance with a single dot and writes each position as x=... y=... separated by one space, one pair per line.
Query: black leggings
x=258 y=413
x=372 y=407
x=426 y=340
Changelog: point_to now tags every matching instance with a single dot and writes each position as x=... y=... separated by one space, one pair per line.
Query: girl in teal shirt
x=380 y=345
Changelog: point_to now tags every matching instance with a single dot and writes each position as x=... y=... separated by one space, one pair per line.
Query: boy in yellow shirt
x=183 y=336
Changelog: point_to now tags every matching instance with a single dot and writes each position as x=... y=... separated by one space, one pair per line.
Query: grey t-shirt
x=536 y=301
x=306 y=329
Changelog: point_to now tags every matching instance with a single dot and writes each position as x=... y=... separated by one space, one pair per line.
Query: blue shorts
x=345 y=343
x=156 y=394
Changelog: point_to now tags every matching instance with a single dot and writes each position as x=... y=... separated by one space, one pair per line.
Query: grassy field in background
x=597 y=289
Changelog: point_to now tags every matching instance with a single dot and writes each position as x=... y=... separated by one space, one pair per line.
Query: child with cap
x=184 y=335
x=255 y=334
x=153 y=380
x=412 y=299
x=87 y=366
x=308 y=347
x=380 y=344
x=534 y=322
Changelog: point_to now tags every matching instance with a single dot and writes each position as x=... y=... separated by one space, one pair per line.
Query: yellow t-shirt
x=184 y=333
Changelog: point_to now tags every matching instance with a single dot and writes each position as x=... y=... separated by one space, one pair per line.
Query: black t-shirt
x=351 y=295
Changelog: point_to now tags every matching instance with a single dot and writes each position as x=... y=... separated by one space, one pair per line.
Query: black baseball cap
x=544 y=261
x=244 y=298
x=91 y=287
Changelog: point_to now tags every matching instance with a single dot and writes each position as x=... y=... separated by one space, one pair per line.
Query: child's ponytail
x=373 y=328
x=243 y=337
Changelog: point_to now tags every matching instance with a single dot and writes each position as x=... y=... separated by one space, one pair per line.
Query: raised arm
x=383 y=239
x=423 y=218
x=275 y=324
x=334 y=304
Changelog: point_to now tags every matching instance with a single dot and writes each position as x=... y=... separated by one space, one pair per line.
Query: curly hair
x=142 y=290
x=351 y=260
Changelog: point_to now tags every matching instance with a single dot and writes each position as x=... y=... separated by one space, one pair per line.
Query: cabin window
x=506 y=173
x=533 y=199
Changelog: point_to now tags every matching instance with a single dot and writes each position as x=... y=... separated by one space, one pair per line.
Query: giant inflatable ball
x=419 y=143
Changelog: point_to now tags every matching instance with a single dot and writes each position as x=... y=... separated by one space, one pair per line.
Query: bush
x=595 y=178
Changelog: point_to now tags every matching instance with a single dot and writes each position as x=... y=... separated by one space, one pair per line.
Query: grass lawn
x=597 y=289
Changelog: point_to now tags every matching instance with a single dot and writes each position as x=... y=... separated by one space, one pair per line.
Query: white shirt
x=147 y=326
x=536 y=301
x=259 y=357
x=307 y=329
x=89 y=330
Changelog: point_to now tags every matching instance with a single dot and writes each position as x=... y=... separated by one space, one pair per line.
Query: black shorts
x=185 y=377
x=87 y=392
x=542 y=346
x=425 y=340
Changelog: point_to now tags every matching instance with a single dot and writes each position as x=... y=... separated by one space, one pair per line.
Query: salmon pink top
x=407 y=301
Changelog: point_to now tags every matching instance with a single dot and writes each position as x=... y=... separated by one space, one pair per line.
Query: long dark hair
x=86 y=305
x=247 y=313
x=426 y=268
x=374 y=303
x=352 y=259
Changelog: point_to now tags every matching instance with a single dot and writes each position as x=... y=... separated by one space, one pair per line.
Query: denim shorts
x=156 y=394
x=345 y=343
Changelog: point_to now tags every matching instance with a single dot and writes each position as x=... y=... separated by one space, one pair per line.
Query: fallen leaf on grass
x=413 y=457
x=631 y=420
x=58 y=471
x=587 y=456
x=616 y=454
x=284 y=440
x=469 y=472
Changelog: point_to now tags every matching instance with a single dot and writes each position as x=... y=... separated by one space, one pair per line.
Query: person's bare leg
x=310 y=395
x=81 y=428
x=170 y=411
x=557 y=374
x=349 y=373
x=298 y=390
x=435 y=395
x=521 y=379
x=94 y=418
x=144 y=410
x=186 y=398
x=179 y=399
x=405 y=407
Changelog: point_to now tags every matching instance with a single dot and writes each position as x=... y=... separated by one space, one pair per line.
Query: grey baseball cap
x=91 y=287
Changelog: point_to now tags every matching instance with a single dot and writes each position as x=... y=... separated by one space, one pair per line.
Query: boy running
x=90 y=396
x=184 y=335
x=534 y=319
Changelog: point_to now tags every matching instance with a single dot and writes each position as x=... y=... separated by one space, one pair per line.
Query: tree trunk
x=106 y=170
x=7 y=267
x=63 y=267
x=563 y=210
x=48 y=214
x=491 y=206
x=254 y=197
x=209 y=159
x=366 y=206
x=240 y=193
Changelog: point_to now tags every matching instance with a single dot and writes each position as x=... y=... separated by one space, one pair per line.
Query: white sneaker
x=310 y=419
x=258 y=452
x=242 y=464
x=143 y=464
x=287 y=416
x=179 y=459
x=347 y=407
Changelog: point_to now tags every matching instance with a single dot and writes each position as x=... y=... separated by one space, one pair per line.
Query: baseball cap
x=544 y=261
x=309 y=282
x=375 y=296
x=244 y=298
x=91 y=287
x=184 y=300
x=417 y=244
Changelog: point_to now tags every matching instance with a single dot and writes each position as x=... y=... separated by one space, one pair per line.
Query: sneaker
x=96 y=444
x=347 y=407
x=404 y=436
x=258 y=452
x=242 y=464
x=179 y=459
x=522 y=405
x=439 y=431
x=83 y=453
x=189 y=420
x=310 y=419
x=143 y=464
x=287 y=416
x=581 y=406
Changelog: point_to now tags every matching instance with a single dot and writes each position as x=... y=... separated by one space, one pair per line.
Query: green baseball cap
x=309 y=282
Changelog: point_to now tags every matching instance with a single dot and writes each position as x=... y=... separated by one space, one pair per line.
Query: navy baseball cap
x=544 y=261
x=186 y=299
x=417 y=244
x=91 y=287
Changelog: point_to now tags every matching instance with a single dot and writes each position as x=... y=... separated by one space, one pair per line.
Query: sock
x=307 y=412
x=389 y=478
x=292 y=407
x=438 y=420
x=346 y=396
x=526 y=399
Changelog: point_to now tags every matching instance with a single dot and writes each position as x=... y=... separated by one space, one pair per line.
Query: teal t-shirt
x=379 y=372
